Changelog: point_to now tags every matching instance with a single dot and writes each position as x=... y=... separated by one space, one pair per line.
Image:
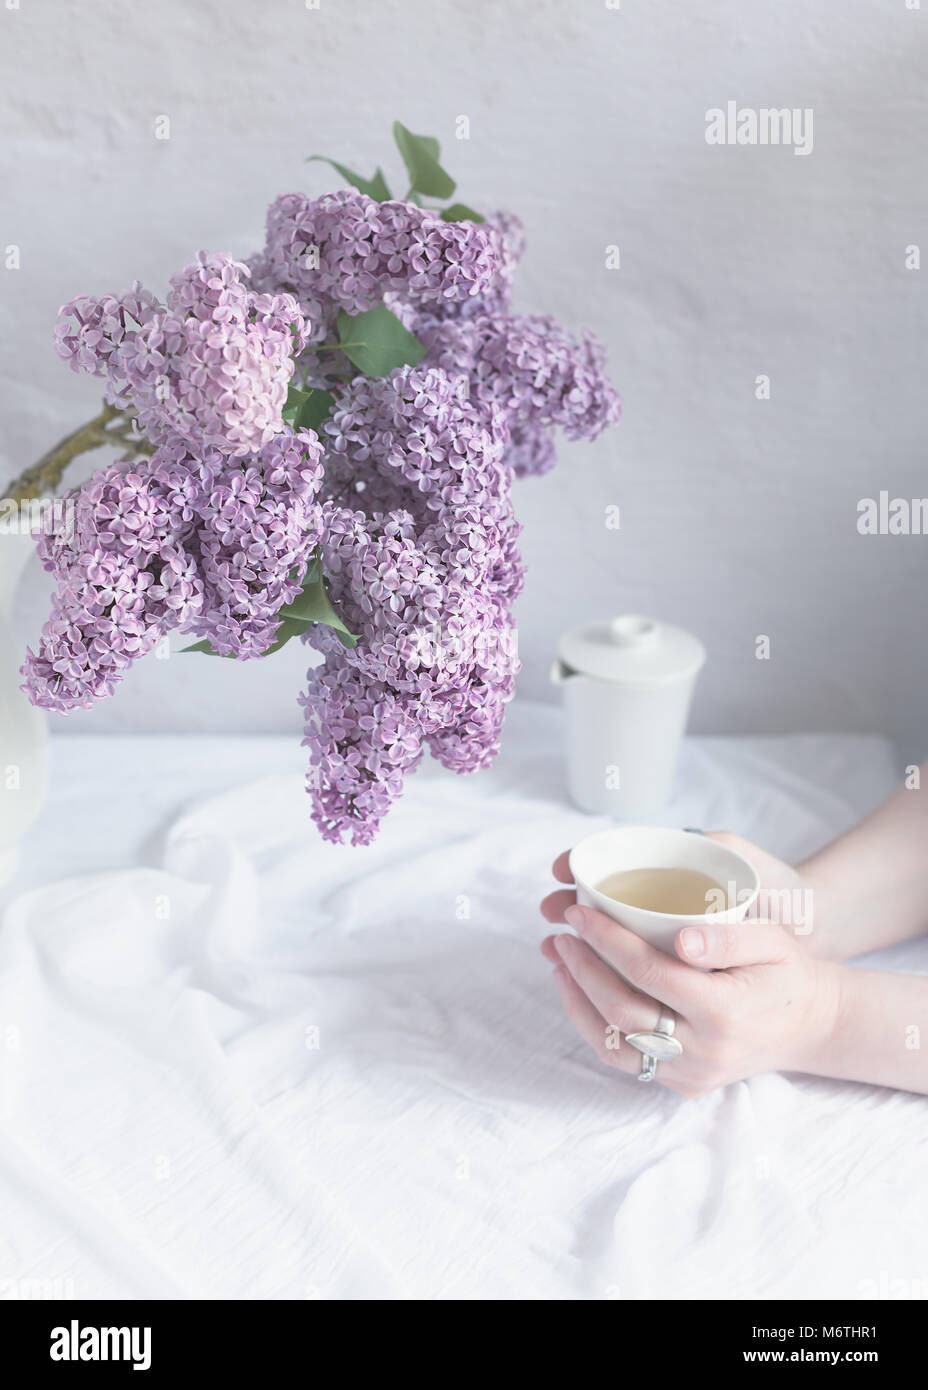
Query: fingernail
x=574 y=917
x=561 y=945
x=693 y=941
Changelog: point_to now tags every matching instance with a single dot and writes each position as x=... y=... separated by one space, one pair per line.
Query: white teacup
x=654 y=847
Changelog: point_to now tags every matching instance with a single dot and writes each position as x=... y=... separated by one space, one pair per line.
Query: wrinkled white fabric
x=240 y=1063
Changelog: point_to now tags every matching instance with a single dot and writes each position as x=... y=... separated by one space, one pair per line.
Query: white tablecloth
x=239 y=1063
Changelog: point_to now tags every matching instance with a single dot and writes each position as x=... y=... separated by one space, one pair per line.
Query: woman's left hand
x=767 y=1005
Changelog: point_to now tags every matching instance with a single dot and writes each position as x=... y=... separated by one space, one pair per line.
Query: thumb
x=718 y=947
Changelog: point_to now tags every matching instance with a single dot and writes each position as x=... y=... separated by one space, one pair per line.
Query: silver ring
x=648 y=1068
x=659 y=1045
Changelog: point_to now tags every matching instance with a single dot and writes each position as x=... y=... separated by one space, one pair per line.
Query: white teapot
x=627 y=684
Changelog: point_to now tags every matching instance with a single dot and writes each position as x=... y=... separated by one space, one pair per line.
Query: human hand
x=767 y=1003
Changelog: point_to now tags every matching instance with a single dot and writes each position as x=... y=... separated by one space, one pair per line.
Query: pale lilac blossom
x=405 y=495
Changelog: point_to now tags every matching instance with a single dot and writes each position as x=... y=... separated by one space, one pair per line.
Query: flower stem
x=45 y=475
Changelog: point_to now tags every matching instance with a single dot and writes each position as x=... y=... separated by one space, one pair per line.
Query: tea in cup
x=654 y=880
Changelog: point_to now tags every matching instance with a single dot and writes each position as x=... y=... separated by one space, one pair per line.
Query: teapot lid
x=632 y=649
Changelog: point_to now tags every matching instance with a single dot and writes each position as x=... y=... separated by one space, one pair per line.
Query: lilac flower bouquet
x=320 y=443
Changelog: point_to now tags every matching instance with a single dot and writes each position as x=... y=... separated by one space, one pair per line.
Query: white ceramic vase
x=23 y=729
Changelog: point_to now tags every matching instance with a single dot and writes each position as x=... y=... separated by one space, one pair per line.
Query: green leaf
x=420 y=155
x=289 y=627
x=374 y=188
x=316 y=408
x=460 y=212
x=295 y=398
x=306 y=410
x=376 y=341
x=312 y=605
x=203 y=646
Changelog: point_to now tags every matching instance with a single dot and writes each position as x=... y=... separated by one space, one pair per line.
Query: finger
x=561 y=868
x=649 y=970
x=606 y=1042
x=774 y=874
x=732 y=943
x=613 y=998
x=556 y=904
x=549 y=951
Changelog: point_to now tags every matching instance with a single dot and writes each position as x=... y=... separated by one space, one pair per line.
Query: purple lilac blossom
x=530 y=367
x=345 y=251
x=409 y=504
x=90 y=332
x=208 y=545
x=126 y=576
x=371 y=740
x=507 y=242
x=427 y=584
x=212 y=366
x=260 y=525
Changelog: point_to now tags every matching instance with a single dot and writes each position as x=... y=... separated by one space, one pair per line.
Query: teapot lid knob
x=634 y=631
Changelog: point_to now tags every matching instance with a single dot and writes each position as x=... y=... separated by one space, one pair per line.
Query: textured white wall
x=738 y=515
